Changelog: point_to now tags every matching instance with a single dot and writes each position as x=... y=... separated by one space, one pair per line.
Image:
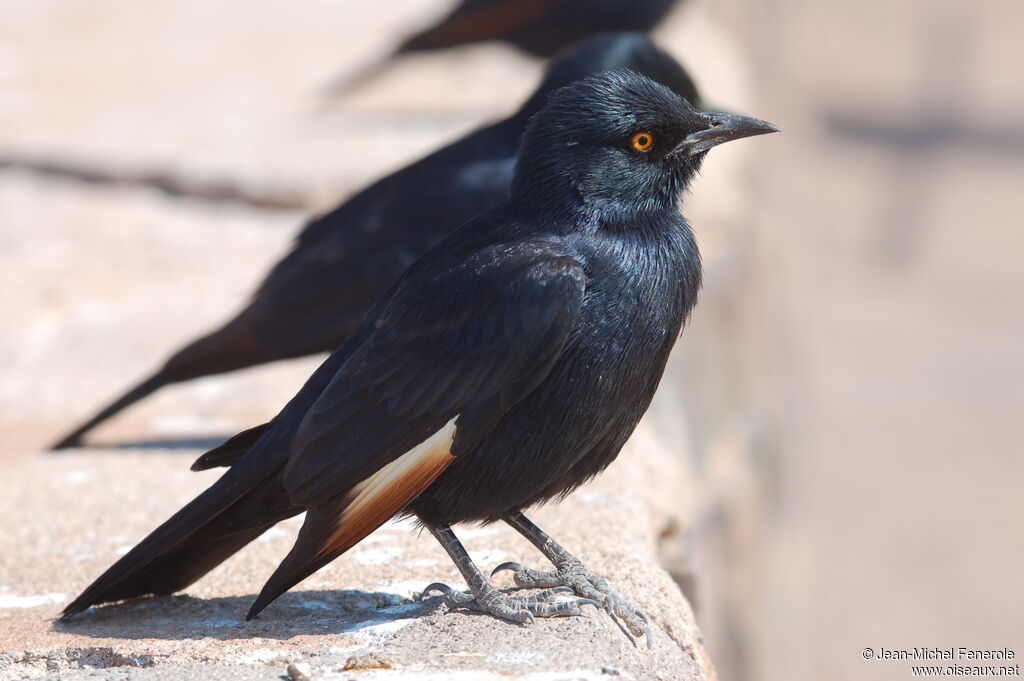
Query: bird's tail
x=229 y=348
x=147 y=387
x=198 y=538
x=351 y=81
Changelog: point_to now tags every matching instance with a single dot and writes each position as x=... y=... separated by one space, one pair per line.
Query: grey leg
x=483 y=596
x=570 y=572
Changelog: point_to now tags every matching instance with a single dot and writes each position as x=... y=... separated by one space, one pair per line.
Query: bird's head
x=619 y=141
x=608 y=52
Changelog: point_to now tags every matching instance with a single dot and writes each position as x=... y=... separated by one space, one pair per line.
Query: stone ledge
x=357 y=612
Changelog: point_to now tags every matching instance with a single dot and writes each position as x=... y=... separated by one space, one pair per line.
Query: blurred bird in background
x=541 y=28
x=506 y=367
x=343 y=261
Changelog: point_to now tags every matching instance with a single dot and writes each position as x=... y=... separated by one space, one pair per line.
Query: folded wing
x=448 y=354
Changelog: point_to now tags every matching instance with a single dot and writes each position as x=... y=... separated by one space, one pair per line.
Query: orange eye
x=642 y=141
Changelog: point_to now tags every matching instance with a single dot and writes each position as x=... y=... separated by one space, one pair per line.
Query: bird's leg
x=570 y=572
x=483 y=596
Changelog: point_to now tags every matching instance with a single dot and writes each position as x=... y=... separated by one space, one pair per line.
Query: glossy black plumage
x=343 y=261
x=504 y=368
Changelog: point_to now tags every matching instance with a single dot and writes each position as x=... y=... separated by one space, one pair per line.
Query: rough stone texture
x=69 y=516
x=106 y=271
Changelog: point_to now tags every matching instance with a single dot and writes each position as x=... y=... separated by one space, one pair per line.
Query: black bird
x=541 y=28
x=504 y=368
x=343 y=261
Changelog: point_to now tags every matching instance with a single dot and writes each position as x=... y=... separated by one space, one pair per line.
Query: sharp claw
x=625 y=615
x=444 y=590
x=638 y=631
x=622 y=628
x=516 y=567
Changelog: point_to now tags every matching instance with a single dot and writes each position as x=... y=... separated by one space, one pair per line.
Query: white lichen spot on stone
x=13 y=601
x=488 y=556
x=377 y=556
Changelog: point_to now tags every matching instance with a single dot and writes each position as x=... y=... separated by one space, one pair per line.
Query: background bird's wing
x=344 y=261
x=479 y=20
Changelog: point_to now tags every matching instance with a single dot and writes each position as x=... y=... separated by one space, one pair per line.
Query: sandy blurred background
x=889 y=340
x=853 y=380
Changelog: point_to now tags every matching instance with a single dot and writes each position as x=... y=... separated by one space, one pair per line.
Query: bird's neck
x=545 y=198
x=663 y=231
x=619 y=216
x=554 y=199
x=531 y=106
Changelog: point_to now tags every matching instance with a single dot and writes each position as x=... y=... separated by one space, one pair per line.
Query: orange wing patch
x=376 y=499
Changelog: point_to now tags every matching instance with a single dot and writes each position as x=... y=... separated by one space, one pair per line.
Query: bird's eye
x=642 y=141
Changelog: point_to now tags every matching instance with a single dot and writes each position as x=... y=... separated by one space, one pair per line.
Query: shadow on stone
x=294 y=614
x=186 y=442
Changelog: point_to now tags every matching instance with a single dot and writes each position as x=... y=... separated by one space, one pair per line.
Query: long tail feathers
x=144 y=389
x=215 y=525
x=231 y=451
x=245 y=502
x=305 y=558
x=227 y=349
x=349 y=82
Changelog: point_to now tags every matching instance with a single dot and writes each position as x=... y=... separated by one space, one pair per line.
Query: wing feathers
x=478 y=338
x=391 y=488
x=232 y=450
x=325 y=535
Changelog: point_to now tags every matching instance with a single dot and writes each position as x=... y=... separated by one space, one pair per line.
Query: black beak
x=721 y=128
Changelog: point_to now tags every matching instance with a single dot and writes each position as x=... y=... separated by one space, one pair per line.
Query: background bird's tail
x=227 y=349
x=147 y=387
x=463 y=27
x=351 y=81
x=198 y=538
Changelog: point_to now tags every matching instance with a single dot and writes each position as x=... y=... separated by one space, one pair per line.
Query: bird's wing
x=345 y=260
x=232 y=449
x=469 y=340
x=443 y=351
x=479 y=20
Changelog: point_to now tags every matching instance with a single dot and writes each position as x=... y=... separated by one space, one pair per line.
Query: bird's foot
x=519 y=609
x=572 y=574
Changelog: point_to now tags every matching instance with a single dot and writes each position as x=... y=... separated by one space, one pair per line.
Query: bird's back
x=345 y=260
